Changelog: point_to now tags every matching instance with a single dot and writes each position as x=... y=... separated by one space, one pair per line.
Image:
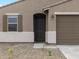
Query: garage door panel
x=68 y=42
x=67 y=29
x=66 y=37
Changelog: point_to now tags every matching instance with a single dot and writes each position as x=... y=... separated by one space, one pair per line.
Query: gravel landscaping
x=26 y=51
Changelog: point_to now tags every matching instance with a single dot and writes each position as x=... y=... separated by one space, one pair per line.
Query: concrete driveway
x=70 y=51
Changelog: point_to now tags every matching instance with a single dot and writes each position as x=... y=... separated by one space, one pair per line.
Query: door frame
x=63 y=13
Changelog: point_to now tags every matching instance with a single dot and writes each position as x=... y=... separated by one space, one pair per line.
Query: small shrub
x=10 y=53
x=50 y=52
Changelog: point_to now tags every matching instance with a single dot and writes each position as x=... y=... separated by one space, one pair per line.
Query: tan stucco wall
x=71 y=6
x=27 y=8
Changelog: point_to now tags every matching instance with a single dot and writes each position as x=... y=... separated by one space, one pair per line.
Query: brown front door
x=39 y=27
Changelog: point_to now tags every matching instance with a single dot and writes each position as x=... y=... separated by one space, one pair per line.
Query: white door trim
x=66 y=13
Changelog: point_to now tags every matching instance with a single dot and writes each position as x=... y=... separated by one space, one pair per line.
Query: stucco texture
x=27 y=8
x=71 y=6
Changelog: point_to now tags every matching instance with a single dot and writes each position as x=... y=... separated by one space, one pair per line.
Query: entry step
x=43 y=45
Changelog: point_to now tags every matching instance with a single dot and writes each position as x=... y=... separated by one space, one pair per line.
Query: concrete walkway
x=70 y=51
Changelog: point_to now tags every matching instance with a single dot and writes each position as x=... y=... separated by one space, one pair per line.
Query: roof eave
x=11 y=4
x=55 y=4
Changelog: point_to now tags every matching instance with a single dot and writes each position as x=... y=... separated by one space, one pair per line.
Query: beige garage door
x=67 y=29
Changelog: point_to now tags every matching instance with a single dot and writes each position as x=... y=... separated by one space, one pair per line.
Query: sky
x=4 y=2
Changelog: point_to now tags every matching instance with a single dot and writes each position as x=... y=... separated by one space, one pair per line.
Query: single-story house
x=48 y=21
